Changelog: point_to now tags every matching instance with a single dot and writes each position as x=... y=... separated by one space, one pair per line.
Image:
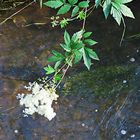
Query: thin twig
x=63 y=76
x=92 y=9
x=84 y=22
x=27 y=25
x=16 y=13
x=57 y=72
x=64 y=73
x=8 y=109
x=124 y=29
x=41 y=3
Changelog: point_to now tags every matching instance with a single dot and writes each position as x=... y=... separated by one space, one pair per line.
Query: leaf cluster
x=65 y=6
x=116 y=8
x=75 y=48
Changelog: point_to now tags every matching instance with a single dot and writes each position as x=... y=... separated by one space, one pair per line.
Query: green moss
x=104 y=81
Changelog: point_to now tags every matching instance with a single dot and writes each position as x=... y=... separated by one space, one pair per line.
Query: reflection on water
x=80 y=114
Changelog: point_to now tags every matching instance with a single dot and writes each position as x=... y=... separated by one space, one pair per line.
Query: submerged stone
x=103 y=81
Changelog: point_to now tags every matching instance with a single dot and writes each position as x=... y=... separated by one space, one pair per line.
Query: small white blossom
x=39 y=101
x=19 y=96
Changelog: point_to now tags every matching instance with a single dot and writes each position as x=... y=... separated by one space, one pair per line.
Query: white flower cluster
x=39 y=101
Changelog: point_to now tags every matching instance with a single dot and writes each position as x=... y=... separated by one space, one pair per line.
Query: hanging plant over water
x=76 y=48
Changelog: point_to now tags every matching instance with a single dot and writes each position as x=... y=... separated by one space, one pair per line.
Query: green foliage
x=87 y=60
x=64 y=23
x=49 y=69
x=87 y=34
x=117 y=9
x=72 y=2
x=57 y=77
x=107 y=7
x=83 y=4
x=53 y=4
x=78 y=56
x=75 y=11
x=65 y=7
x=97 y=3
x=56 y=57
x=77 y=47
x=90 y=42
x=81 y=15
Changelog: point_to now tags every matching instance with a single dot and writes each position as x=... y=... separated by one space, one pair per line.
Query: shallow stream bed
x=101 y=104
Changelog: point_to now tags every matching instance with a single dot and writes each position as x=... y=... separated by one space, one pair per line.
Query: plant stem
x=124 y=28
x=91 y=10
x=57 y=72
x=64 y=73
x=62 y=76
x=84 y=22
x=16 y=13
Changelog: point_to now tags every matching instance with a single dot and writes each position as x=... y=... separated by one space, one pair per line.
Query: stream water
x=101 y=104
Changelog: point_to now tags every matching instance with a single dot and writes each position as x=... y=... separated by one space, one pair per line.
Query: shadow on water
x=103 y=104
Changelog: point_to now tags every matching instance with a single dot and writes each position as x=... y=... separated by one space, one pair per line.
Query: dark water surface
x=103 y=104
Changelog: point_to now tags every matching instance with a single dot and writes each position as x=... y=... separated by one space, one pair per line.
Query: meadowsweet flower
x=39 y=101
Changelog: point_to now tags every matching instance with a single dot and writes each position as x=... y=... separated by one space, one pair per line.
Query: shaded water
x=99 y=105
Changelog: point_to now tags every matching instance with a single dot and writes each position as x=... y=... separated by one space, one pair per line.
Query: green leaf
x=64 y=9
x=72 y=2
x=66 y=47
x=97 y=3
x=83 y=4
x=54 y=59
x=86 y=58
x=64 y=23
x=77 y=35
x=87 y=34
x=49 y=69
x=78 y=46
x=53 y=4
x=126 y=1
x=57 y=77
x=75 y=11
x=90 y=42
x=57 y=64
x=126 y=11
x=78 y=56
x=117 y=6
x=107 y=8
x=67 y=54
x=116 y=15
x=92 y=54
x=81 y=15
x=66 y=37
x=57 y=54
x=118 y=1
x=64 y=1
